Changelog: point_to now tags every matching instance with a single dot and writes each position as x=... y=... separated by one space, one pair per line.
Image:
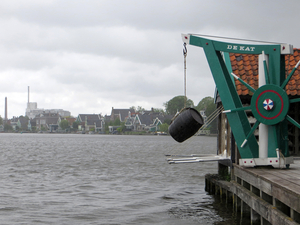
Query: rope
x=184 y=55
x=177 y=114
x=281 y=156
x=212 y=117
x=185 y=98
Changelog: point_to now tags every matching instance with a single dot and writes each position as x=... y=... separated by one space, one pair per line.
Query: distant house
x=122 y=114
x=22 y=123
x=14 y=123
x=142 y=121
x=129 y=123
x=87 y=122
x=150 y=121
x=155 y=125
x=48 y=121
x=32 y=124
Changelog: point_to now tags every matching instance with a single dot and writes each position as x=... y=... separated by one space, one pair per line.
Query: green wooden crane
x=269 y=103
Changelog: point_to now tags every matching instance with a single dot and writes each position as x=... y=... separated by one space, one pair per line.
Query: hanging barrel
x=186 y=124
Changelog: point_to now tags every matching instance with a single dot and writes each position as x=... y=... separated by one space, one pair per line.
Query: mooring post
x=242 y=208
x=233 y=201
x=292 y=215
x=223 y=171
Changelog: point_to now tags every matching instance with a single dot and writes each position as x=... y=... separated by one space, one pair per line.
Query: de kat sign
x=240 y=48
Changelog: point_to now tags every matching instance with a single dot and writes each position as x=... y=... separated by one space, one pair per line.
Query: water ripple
x=102 y=179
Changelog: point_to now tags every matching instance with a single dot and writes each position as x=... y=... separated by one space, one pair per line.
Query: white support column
x=263 y=129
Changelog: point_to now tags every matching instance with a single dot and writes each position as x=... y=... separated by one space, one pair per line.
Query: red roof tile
x=246 y=67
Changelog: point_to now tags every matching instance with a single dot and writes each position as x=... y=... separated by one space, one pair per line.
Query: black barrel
x=186 y=124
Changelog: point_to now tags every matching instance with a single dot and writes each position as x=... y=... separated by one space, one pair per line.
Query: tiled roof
x=145 y=119
x=245 y=66
x=89 y=117
x=122 y=112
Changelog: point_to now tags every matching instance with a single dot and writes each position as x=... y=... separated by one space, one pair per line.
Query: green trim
x=239 y=109
x=253 y=129
x=226 y=57
x=266 y=72
x=244 y=83
x=233 y=47
x=295 y=100
x=288 y=78
x=291 y=120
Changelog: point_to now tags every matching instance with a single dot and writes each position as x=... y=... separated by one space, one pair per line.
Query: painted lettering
x=241 y=48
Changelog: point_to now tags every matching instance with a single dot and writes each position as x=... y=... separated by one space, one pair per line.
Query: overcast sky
x=87 y=56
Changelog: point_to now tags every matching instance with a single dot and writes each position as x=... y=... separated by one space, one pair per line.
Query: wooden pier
x=272 y=196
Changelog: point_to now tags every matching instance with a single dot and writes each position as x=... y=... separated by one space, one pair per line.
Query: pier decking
x=272 y=195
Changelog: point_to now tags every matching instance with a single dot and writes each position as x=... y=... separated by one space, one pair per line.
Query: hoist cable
x=212 y=117
x=184 y=55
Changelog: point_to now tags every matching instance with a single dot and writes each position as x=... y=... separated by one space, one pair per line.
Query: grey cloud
x=88 y=56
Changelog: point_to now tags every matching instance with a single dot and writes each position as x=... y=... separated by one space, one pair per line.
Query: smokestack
x=5 y=116
x=28 y=94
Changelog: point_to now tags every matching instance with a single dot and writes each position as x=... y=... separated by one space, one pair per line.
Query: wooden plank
x=287 y=197
x=269 y=174
x=284 y=184
x=285 y=191
x=253 y=179
x=284 y=175
x=292 y=176
x=280 y=184
x=252 y=200
x=294 y=168
x=265 y=186
x=292 y=172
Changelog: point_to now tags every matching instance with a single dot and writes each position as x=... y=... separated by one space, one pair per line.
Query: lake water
x=105 y=179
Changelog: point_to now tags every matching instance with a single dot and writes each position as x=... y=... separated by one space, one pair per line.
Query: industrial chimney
x=5 y=116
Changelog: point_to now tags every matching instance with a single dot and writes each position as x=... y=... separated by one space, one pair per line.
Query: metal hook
x=184 y=49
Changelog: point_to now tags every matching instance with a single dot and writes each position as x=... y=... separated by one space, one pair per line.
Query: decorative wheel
x=269 y=104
